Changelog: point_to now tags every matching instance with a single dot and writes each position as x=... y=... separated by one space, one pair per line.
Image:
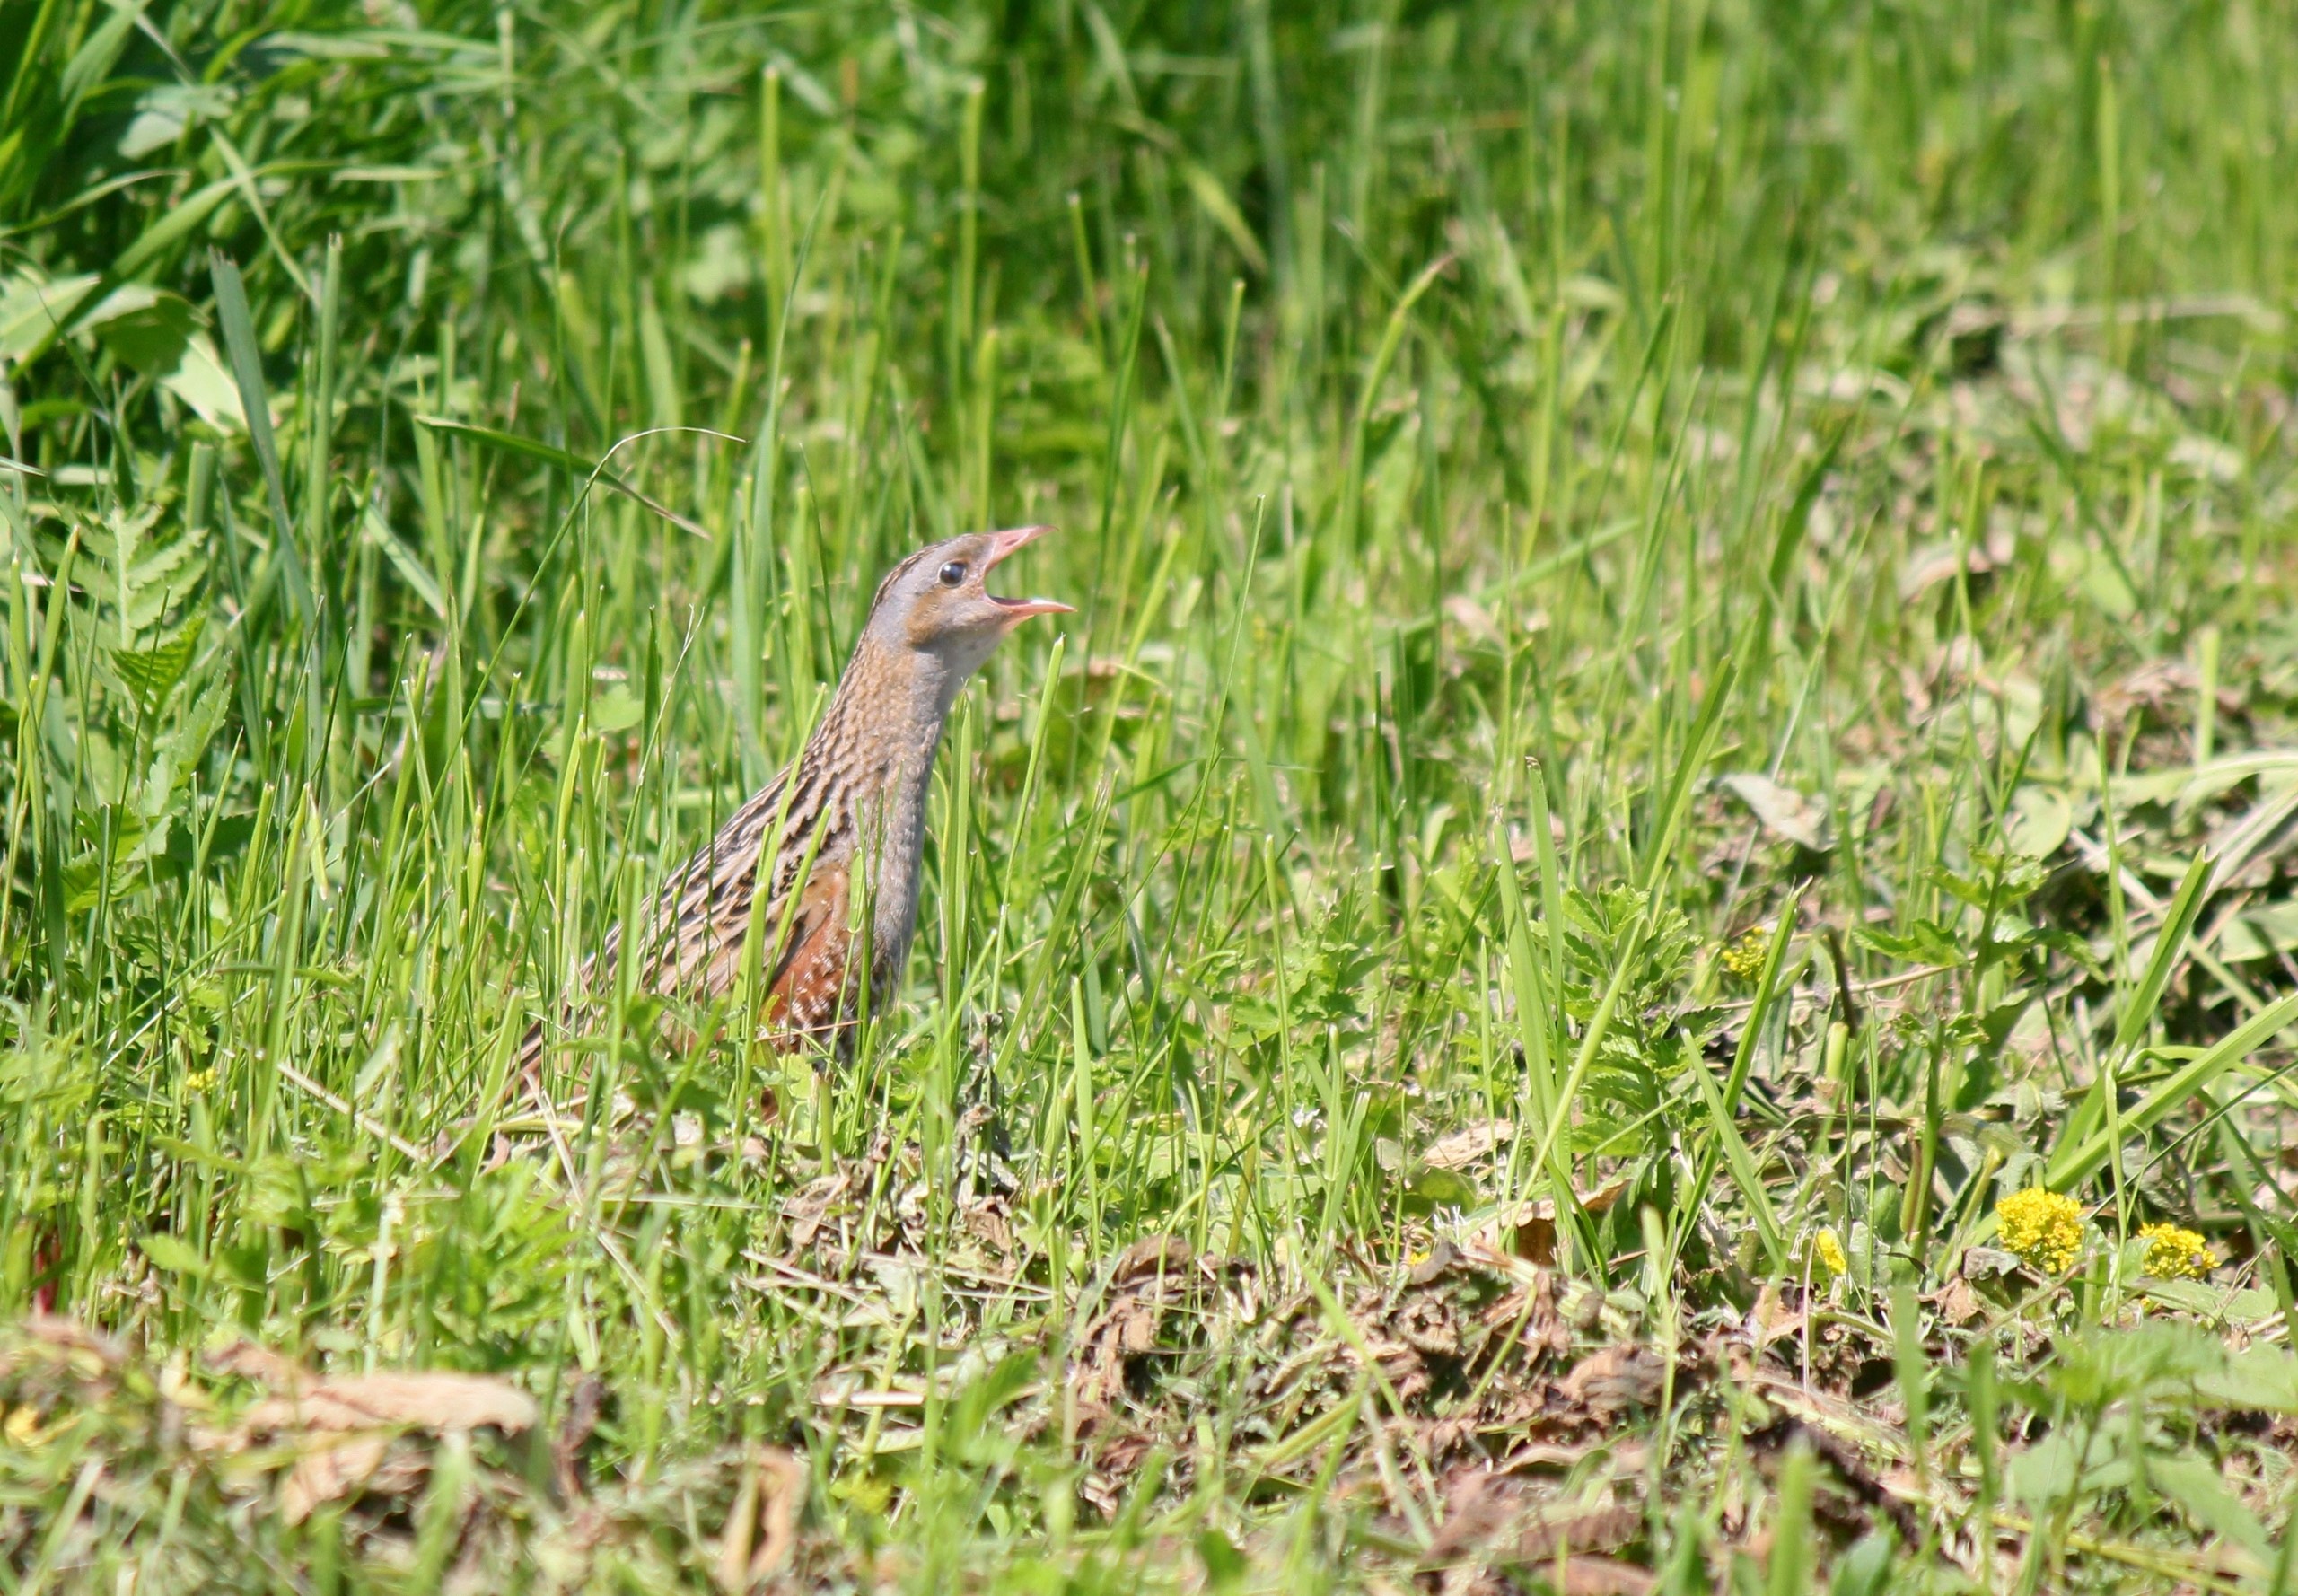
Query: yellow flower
x=1743 y=960
x=2044 y=1228
x=25 y=1430
x=199 y=1080
x=1828 y=1250
x=2175 y=1254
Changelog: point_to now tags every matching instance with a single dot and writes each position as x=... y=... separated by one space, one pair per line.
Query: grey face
x=938 y=600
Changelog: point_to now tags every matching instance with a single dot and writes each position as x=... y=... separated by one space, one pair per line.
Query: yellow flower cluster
x=1743 y=960
x=199 y=1080
x=1828 y=1250
x=25 y=1430
x=2044 y=1228
x=2173 y=1253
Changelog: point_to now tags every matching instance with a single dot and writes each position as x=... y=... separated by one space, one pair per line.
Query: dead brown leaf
x=1860 y=1481
x=1627 y=1457
x=812 y=1207
x=1782 y=811
x=71 y=1336
x=567 y=1448
x=1532 y=1235
x=1545 y=1329
x=1957 y=1303
x=259 y=1363
x=1117 y=1461
x=1471 y=1145
x=766 y=1511
x=1530 y=1312
x=338 y=1466
x=1425 y=1320
x=1441 y=1260
x=1586 y=1575
x=1601 y=1527
x=1615 y=1379
x=1151 y=1275
x=1495 y=1518
x=1152 y=1256
x=435 y=1401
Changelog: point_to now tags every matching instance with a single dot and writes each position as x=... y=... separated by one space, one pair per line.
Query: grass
x=1683 y=681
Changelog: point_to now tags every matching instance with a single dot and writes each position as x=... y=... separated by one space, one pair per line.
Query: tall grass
x=452 y=448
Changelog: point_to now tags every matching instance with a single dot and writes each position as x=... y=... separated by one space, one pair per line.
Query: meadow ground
x=1640 y=939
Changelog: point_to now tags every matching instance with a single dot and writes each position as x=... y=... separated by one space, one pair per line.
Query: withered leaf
x=1150 y=1256
x=1471 y=1145
x=1425 y=1322
x=1533 y=1236
x=1615 y=1379
x=340 y=1466
x=766 y=1509
x=436 y=1402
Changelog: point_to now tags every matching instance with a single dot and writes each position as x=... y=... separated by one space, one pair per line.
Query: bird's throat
x=889 y=711
x=877 y=742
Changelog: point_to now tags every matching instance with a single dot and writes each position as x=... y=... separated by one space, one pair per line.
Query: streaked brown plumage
x=846 y=824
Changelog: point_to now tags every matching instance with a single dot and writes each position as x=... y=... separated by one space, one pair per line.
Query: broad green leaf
x=1443 y=1188
x=2040 y=820
x=35 y=308
x=147 y=328
x=200 y=382
x=2196 y=1486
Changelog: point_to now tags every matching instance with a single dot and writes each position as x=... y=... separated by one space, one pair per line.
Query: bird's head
x=936 y=602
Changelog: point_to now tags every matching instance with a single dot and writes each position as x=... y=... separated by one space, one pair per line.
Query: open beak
x=1002 y=544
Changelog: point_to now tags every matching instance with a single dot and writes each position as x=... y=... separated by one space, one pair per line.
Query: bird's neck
x=885 y=720
x=876 y=743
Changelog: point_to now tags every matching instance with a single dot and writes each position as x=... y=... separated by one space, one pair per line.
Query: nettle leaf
x=2003 y=882
x=616 y=709
x=136 y=857
x=187 y=740
x=2164 y=1361
x=121 y=827
x=173 y=1254
x=140 y=579
x=1608 y=1136
x=1622 y=1072
x=2257 y=1377
x=151 y=674
x=2036 y=939
x=1926 y=942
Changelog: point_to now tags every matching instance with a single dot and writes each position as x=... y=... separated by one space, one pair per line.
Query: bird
x=822 y=862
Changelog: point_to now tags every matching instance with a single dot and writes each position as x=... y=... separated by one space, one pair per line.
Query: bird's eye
x=953 y=573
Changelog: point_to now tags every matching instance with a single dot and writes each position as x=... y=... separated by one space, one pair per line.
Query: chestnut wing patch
x=811 y=987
